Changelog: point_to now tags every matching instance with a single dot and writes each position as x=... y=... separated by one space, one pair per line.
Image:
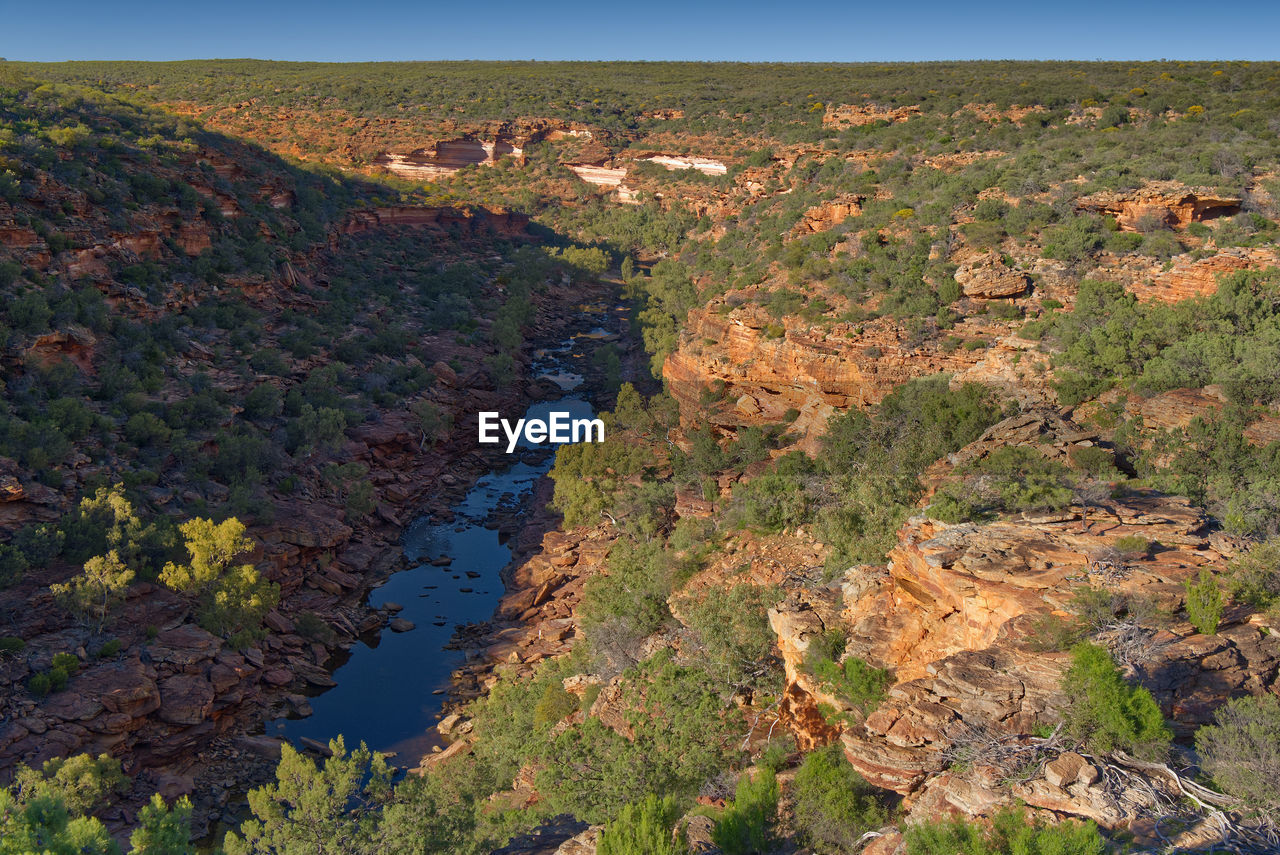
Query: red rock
x=1167 y=202
x=185 y=645
x=185 y=699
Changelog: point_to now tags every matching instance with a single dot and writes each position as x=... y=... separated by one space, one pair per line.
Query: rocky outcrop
x=828 y=215
x=705 y=165
x=857 y=115
x=954 y=614
x=447 y=157
x=1163 y=202
x=1178 y=408
x=604 y=176
x=470 y=220
x=811 y=369
x=482 y=144
x=988 y=278
x=1191 y=277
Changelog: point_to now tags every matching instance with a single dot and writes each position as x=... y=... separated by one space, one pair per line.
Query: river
x=391 y=689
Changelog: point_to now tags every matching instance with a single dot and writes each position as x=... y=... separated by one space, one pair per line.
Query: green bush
x=1011 y=831
x=1104 y=713
x=1241 y=751
x=1132 y=543
x=555 y=704
x=66 y=662
x=643 y=828
x=746 y=826
x=733 y=628
x=1255 y=575
x=855 y=682
x=40 y=684
x=233 y=598
x=311 y=626
x=872 y=462
x=1024 y=479
x=1204 y=603
x=110 y=648
x=832 y=805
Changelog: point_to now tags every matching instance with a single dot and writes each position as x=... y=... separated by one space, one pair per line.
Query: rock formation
x=857 y=115
x=1163 y=203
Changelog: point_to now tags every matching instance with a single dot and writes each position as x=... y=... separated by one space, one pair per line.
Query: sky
x=818 y=30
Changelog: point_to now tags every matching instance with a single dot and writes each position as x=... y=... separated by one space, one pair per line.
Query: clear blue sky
x=821 y=30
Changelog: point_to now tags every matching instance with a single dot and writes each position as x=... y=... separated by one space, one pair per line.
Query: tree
x=733 y=627
x=1105 y=713
x=162 y=831
x=746 y=827
x=105 y=521
x=234 y=599
x=92 y=594
x=44 y=826
x=79 y=783
x=833 y=806
x=1241 y=751
x=643 y=828
x=310 y=810
x=1204 y=603
x=1011 y=830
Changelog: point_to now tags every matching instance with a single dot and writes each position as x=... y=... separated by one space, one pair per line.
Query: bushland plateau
x=938 y=511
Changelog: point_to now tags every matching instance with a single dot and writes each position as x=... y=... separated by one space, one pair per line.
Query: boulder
x=186 y=699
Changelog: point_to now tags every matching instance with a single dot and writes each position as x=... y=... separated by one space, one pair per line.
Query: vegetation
x=1255 y=577
x=326 y=809
x=746 y=826
x=1105 y=713
x=231 y=363
x=1204 y=603
x=1241 y=752
x=645 y=828
x=854 y=681
x=233 y=599
x=50 y=811
x=93 y=593
x=1010 y=831
x=832 y=805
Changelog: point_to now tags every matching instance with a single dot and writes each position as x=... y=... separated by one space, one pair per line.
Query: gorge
x=920 y=476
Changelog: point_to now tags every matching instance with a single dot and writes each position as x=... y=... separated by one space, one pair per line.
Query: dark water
x=389 y=695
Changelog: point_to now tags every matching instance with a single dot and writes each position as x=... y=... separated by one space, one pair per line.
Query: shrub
x=81 y=782
x=643 y=828
x=92 y=594
x=145 y=429
x=311 y=626
x=233 y=599
x=13 y=564
x=1241 y=751
x=733 y=627
x=1011 y=831
x=833 y=806
x=1104 y=713
x=1204 y=603
x=1255 y=575
x=1132 y=543
x=110 y=648
x=325 y=809
x=855 y=682
x=40 y=684
x=68 y=663
x=746 y=826
x=12 y=644
x=1024 y=479
x=555 y=704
